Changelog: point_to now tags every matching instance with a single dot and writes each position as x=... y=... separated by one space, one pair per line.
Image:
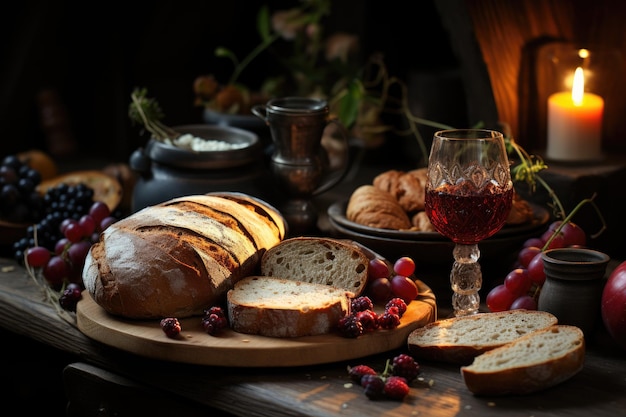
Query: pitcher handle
x=335 y=177
x=260 y=111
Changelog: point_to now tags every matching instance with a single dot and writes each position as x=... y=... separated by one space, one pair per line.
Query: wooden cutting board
x=229 y=348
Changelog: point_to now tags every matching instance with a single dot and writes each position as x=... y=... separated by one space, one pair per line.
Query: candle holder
x=577 y=132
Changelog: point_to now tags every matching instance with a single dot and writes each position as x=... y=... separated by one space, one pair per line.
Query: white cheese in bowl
x=198 y=144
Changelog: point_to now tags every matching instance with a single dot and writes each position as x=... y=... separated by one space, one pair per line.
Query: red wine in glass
x=467 y=216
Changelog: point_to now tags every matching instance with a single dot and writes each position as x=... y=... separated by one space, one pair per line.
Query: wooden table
x=109 y=381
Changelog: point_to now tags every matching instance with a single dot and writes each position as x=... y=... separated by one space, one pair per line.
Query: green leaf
x=263 y=24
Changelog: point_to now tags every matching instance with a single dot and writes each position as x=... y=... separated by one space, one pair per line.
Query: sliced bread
x=318 y=260
x=534 y=362
x=460 y=339
x=277 y=307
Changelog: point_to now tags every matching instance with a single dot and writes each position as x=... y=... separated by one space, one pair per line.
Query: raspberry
x=368 y=319
x=357 y=372
x=406 y=367
x=361 y=304
x=350 y=326
x=399 y=303
x=396 y=388
x=374 y=386
x=388 y=320
x=171 y=326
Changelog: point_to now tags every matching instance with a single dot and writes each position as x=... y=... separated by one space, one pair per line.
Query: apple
x=613 y=306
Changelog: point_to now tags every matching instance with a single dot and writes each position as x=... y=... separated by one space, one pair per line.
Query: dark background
x=81 y=67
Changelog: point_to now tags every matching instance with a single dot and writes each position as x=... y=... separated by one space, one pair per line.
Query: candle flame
x=578 y=88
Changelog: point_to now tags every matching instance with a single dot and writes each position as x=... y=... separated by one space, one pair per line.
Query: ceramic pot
x=166 y=171
x=573 y=287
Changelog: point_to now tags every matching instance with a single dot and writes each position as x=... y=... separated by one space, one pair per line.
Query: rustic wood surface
x=315 y=390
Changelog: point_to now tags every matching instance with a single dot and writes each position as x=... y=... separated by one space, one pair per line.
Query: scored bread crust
x=276 y=307
x=460 y=339
x=177 y=258
x=534 y=362
x=318 y=260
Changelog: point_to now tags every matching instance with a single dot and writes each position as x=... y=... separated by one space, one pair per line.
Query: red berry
x=405 y=366
x=171 y=326
x=396 y=388
x=357 y=372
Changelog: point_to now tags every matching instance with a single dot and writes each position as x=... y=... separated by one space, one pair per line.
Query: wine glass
x=469 y=194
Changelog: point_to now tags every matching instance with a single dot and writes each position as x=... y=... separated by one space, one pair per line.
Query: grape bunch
x=385 y=283
x=21 y=203
x=62 y=267
x=521 y=286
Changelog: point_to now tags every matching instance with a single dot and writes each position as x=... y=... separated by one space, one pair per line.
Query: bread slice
x=534 y=362
x=460 y=339
x=318 y=260
x=276 y=307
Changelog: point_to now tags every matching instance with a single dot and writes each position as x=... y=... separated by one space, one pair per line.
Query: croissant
x=374 y=207
x=407 y=188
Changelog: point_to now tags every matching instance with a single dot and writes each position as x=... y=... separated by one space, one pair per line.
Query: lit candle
x=575 y=123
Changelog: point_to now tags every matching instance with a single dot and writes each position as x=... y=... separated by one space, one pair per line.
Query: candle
x=575 y=123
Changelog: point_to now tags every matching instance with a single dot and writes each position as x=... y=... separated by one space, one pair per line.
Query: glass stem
x=466 y=279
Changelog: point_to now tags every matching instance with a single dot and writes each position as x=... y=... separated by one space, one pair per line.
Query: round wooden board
x=229 y=348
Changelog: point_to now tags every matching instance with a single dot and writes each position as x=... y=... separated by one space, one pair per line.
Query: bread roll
x=532 y=363
x=373 y=207
x=276 y=307
x=460 y=339
x=177 y=258
x=318 y=260
x=408 y=188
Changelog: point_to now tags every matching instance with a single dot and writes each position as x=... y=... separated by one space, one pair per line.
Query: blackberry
x=368 y=319
x=374 y=386
x=361 y=304
x=70 y=297
x=214 y=320
x=405 y=366
x=398 y=303
x=171 y=327
x=388 y=320
x=350 y=326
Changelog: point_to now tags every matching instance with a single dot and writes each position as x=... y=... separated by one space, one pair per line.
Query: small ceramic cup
x=573 y=287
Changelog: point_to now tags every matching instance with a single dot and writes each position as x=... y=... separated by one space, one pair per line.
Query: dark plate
x=337 y=212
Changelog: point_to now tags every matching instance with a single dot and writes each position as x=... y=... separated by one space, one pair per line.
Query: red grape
x=56 y=270
x=404 y=266
x=557 y=242
x=573 y=235
x=525 y=302
x=88 y=224
x=77 y=253
x=99 y=211
x=533 y=241
x=73 y=232
x=536 y=272
x=518 y=282
x=106 y=222
x=61 y=245
x=526 y=255
x=37 y=256
x=378 y=269
x=499 y=298
x=379 y=290
x=404 y=287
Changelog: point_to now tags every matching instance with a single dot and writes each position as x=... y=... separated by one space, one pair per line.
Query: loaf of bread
x=318 y=260
x=460 y=339
x=374 y=207
x=537 y=361
x=180 y=257
x=277 y=307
